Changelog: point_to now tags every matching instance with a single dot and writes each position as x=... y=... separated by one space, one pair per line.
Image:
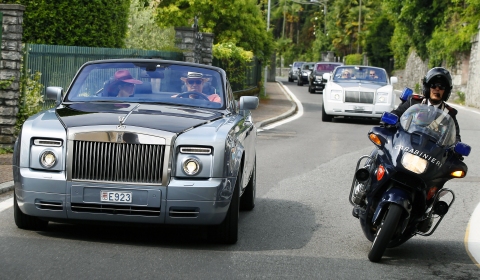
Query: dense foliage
x=143 y=32
x=89 y=23
x=386 y=30
x=240 y=22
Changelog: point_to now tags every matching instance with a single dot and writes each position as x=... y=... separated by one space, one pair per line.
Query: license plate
x=358 y=108
x=112 y=196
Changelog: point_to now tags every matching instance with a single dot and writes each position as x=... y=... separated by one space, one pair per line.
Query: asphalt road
x=301 y=227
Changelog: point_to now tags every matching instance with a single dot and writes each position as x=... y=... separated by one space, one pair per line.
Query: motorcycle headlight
x=414 y=163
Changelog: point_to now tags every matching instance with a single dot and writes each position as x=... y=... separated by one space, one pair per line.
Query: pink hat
x=125 y=76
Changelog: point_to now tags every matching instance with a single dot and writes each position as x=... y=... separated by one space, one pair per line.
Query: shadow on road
x=272 y=225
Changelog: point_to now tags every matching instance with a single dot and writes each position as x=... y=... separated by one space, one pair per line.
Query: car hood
x=162 y=117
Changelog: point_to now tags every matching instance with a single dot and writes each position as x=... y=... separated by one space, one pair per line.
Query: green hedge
x=92 y=23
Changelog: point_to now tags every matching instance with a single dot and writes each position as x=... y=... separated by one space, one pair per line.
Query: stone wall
x=10 y=64
x=197 y=46
x=472 y=94
x=416 y=69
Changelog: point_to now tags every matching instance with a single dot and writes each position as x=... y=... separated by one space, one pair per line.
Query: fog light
x=48 y=159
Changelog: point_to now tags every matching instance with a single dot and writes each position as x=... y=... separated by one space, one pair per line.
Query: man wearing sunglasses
x=194 y=83
x=437 y=87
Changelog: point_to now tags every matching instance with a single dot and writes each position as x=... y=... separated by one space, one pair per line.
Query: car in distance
x=315 y=79
x=293 y=71
x=303 y=73
x=357 y=91
x=128 y=143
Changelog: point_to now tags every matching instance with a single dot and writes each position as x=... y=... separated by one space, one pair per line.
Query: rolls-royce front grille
x=359 y=97
x=117 y=162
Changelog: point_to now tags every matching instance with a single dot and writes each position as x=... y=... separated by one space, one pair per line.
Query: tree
x=377 y=42
x=240 y=22
x=144 y=33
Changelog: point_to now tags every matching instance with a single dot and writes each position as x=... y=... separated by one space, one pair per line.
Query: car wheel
x=299 y=82
x=25 y=221
x=228 y=229
x=310 y=89
x=290 y=79
x=247 y=201
x=325 y=117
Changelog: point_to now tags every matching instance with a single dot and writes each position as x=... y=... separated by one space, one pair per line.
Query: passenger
x=123 y=84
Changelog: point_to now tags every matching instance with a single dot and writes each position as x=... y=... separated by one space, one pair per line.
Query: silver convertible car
x=143 y=141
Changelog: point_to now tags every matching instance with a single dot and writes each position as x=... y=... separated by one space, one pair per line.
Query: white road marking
x=4 y=205
x=297 y=115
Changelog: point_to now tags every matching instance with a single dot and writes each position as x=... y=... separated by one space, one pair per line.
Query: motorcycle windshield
x=431 y=121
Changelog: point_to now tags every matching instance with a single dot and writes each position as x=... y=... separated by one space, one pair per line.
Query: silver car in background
x=293 y=71
x=130 y=141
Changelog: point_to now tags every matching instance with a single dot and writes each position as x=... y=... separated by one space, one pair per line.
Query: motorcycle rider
x=437 y=87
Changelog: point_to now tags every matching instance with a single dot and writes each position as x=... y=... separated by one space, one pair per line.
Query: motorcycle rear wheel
x=385 y=232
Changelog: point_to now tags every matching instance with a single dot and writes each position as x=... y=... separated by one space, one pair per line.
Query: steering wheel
x=197 y=95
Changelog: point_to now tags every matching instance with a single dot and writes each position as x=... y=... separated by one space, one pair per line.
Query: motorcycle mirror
x=462 y=148
x=389 y=118
x=405 y=94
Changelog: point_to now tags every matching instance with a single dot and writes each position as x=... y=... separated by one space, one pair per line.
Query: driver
x=194 y=82
x=437 y=87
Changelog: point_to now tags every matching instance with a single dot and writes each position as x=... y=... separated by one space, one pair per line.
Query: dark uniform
x=418 y=99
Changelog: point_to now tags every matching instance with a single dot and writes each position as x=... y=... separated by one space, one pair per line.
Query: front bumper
x=356 y=109
x=50 y=196
x=318 y=85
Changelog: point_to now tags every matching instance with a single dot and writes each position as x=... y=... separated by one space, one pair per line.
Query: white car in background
x=352 y=91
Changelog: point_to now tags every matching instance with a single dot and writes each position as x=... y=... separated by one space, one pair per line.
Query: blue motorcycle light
x=462 y=149
x=389 y=118
x=405 y=94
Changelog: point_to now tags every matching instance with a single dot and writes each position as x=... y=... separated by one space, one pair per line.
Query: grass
x=4 y=151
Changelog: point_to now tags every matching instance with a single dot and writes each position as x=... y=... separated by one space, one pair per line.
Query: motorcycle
x=397 y=191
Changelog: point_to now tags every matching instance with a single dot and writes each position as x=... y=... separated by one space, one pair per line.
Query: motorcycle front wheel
x=385 y=232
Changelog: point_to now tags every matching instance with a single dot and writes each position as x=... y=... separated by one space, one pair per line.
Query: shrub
x=31 y=97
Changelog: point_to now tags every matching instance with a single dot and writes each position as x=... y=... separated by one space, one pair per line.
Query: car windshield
x=147 y=82
x=325 y=68
x=307 y=66
x=297 y=64
x=431 y=121
x=360 y=73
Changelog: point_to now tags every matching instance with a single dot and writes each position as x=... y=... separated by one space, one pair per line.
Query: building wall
x=11 y=54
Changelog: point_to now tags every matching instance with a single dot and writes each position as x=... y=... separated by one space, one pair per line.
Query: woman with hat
x=123 y=84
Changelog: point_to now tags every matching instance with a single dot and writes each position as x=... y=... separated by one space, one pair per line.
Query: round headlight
x=48 y=159
x=191 y=166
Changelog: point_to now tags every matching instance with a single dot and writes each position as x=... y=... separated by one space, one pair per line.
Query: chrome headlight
x=336 y=95
x=319 y=78
x=46 y=154
x=191 y=166
x=414 y=163
x=194 y=161
x=382 y=97
x=48 y=159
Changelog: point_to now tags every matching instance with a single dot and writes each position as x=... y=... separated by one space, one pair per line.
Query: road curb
x=6 y=187
x=290 y=112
